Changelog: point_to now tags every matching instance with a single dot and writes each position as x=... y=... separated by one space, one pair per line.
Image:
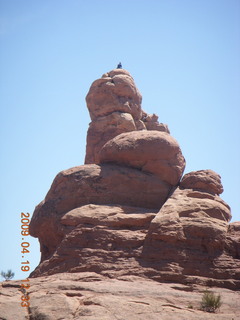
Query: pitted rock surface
x=115 y=91
x=114 y=104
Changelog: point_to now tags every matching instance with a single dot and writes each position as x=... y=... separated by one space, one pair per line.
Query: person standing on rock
x=119 y=66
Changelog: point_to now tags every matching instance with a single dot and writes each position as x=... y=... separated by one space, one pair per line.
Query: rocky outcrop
x=107 y=239
x=91 y=296
x=190 y=235
x=92 y=184
x=128 y=212
x=115 y=91
x=151 y=123
x=114 y=104
x=188 y=238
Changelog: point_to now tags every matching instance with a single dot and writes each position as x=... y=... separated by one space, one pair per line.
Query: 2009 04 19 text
x=25 y=265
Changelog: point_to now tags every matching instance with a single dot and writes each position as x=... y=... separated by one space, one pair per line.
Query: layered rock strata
x=189 y=236
x=127 y=211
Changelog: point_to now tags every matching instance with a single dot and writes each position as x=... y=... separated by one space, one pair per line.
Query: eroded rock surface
x=188 y=237
x=92 y=184
x=115 y=91
x=114 y=104
x=90 y=296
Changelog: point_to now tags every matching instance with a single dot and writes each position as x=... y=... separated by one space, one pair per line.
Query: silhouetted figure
x=119 y=66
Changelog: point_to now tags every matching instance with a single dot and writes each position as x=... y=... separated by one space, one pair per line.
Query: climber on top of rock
x=119 y=66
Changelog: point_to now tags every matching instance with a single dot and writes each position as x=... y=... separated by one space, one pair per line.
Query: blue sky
x=183 y=54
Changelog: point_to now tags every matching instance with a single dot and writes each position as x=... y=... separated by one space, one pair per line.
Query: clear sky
x=183 y=54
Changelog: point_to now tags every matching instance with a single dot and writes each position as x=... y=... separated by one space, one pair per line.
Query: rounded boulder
x=154 y=152
x=204 y=180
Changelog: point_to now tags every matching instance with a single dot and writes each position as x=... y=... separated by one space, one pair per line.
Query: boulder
x=150 y=151
x=115 y=91
x=204 y=180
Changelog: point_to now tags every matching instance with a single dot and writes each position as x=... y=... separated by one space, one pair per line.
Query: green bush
x=210 y=302
x=7 y=275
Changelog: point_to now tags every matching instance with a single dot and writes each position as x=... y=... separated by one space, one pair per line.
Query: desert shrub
x=210 y=302
x=7 y=275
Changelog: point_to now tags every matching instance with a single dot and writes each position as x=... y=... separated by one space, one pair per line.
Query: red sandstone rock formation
x=205 y=180
x=114 y=104
x=189 y=235
x=126 y=212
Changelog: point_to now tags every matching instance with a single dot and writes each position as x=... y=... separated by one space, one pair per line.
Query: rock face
x=127 y=211
x=115 y=91
x=92 y=184
x=188 y=238
x=114 y=104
